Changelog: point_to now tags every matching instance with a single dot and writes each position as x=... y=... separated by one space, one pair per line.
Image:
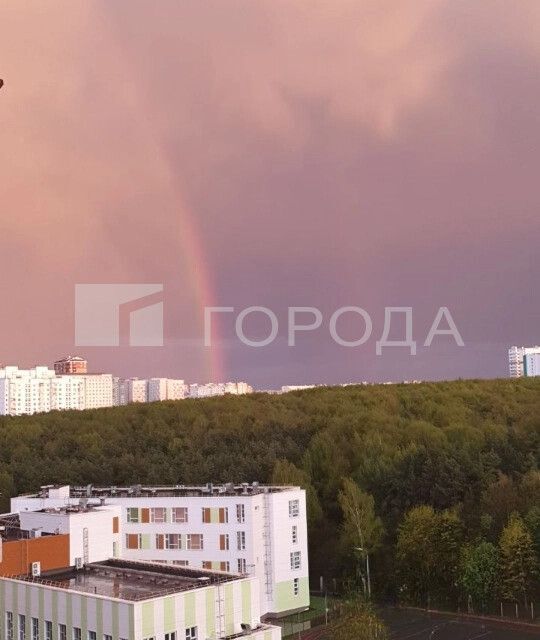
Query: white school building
x=248 y=529
x=58 y=582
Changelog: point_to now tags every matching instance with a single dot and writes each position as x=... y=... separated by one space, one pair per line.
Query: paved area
x=418 y=625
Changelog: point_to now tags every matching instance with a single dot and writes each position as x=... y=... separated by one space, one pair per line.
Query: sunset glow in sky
x=277 y=153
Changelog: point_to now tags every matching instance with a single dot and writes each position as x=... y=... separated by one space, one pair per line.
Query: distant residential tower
x=524 y=361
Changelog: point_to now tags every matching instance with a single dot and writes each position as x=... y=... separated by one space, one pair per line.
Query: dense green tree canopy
x=461 y=457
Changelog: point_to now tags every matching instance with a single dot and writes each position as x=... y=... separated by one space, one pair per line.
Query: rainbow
x=189 y=236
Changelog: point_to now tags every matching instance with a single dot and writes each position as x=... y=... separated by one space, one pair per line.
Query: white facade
x=516 y=360
x=25 y=391
x=137 y=390
x=94 y=535
x=247 y=529
x=157 y=389
x=165 y=389
x=531 y=364
x=70 y=609
x=176 y=389
x=120 y=392
x=68 y=392
x=98 y=390
x=29 y=391
x=211 y=389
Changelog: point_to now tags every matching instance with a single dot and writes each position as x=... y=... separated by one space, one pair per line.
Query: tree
x=532 y=522
x=362 y=529
x=427 y=553
x=479 y=572
x=518 y=560
x=287 y=473
x=414 y=553
x=357 y=622
x=7 y=490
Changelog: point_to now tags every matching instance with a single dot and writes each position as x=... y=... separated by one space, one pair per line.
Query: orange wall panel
x=51 y=551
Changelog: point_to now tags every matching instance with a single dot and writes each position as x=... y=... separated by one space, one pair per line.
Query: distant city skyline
x=314 y=153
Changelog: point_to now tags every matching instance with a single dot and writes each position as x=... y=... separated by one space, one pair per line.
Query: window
x=133 y=541
x=9 y=625
x=225 y=566
x=296 y=560
x=92 y=635
x=22 y=627
x=48 y=630
x=173 y=541
x=242 y=567
x=115 y=524
x=240 y=514
x=294 y=508
x=296 y=586
x=179 y=514
x=35 y=629
x=224 y=542
x=170 y=636
x=294 y=534
x=77 y=634
x=241 y=540
x=158 y=514
x=206 y=515
x=223 y=515
x=132 y=514
x=106 y=636
x=191 y=633
x=181 y=563
x=62 y=632
x=207 y=564
x=195 y=541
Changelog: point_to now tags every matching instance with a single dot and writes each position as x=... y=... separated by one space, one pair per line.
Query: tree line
x=434 y=487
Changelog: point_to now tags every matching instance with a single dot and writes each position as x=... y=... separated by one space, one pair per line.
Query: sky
x=281 y=153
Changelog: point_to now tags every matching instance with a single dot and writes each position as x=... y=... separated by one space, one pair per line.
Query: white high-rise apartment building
x=138 y=390
x=531 y=364
x=219 y=389
x=165 y=389
x=176 y=389
x=98 y=390
x=68 y=392
x=25 y=391
x=29 y=391
x=120 y=392
x=157 y=389
x=152 y=390
x=252 y=530
x=516 y=360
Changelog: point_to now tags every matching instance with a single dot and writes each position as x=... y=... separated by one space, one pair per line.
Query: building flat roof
x=173 y=491
x=131 y=580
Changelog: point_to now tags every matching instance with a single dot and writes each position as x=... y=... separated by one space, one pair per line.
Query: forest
x=435 y=485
